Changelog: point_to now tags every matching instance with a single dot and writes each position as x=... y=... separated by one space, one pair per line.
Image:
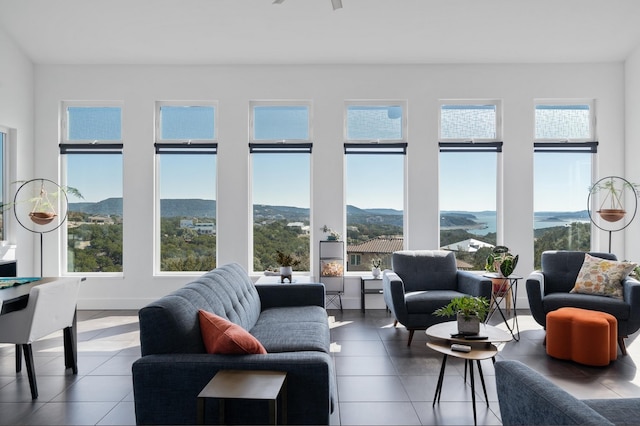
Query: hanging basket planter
x=612 y=215
x=42 y=218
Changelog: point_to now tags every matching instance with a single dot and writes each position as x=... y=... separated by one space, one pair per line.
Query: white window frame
x=480 y=102
x=8 y=176
x=192 y=143
x=375 y=103
x=278 y=103
x=64 y=140
x=158 y=120
x=592 y=118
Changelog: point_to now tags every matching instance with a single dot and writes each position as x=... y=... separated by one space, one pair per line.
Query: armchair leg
x=18 y=358
x=28 y=358
x=623 y=347
x=395 y=323
x=410 y=337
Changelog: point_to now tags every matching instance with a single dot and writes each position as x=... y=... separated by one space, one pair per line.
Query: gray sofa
x=528 y=398
x=548 y=290
x=288 y=319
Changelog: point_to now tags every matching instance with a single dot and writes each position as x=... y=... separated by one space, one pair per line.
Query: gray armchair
x=548 y=290
x=424 y=280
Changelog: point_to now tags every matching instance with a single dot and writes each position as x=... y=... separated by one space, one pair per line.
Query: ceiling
x=311 y=32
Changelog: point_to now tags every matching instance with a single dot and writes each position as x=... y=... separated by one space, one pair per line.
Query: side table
x=246 y=384
x=508 y=291
x=374 y=288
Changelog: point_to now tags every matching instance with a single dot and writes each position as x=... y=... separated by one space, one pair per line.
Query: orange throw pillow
x=221 y=336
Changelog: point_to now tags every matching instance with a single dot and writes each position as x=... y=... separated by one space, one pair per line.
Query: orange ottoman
x=581 y=335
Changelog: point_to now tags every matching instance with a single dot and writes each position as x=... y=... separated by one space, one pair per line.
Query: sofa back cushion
x=560 y=268
x=426 y=269
x=171 y=325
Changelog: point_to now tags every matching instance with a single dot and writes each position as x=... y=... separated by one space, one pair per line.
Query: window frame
x=179 y=147
x=568 y=102
x=479 y=102
x=375 y=103
x=87 y=146
x=6 y=181
x=278 y=103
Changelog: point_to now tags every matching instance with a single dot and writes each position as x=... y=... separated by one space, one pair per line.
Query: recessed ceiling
x=311 y=32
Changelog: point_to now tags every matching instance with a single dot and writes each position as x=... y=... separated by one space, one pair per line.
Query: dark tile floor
x=380 y=380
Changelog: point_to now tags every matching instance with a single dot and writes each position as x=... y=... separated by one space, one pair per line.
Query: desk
x=16 y=298
x=376 y=288
x=507 y=290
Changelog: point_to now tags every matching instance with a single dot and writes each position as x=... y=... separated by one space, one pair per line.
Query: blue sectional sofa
x=288 y=319
x=528 y=398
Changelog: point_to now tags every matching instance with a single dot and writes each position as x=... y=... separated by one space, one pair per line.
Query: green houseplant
x=469 y=310
x=501 y=261
x=612 y=192
x=287 y=262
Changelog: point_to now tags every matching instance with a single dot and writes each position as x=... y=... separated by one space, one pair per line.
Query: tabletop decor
x=469 y=310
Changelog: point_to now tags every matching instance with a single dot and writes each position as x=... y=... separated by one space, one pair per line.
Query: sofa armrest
x=535 y=293
x=528 y=398
x=281 y=295
x=631 y=295
x=166 y=387
x=393 y=293
x=474 y=284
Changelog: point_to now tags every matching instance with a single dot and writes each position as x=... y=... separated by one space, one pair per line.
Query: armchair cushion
x=426 y=269
x=420 y=302
x=602 y=277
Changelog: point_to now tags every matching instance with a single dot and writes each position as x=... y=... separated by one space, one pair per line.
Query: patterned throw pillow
x=602 y=277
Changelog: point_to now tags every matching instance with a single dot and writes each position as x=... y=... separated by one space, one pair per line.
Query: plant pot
x=470 y=326
x=42 y=218
x=612 y=215
x=285 y=272
x=499 y=286
x=375 y=272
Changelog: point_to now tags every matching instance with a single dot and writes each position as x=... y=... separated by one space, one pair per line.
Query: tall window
x=470 y=142
x=186 y=186
x=375 y=148
x=280 y=147
x=91 y=151
x=564 y=150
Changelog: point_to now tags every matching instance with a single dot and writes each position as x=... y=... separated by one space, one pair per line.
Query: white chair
x=51 y=307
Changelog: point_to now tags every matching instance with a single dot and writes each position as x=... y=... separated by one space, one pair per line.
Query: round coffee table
x=440 y=340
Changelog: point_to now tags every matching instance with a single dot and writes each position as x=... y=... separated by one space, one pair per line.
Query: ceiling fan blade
x=278 y=1
x=337 y=4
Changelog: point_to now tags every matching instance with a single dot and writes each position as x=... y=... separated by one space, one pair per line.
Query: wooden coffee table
x=440 y=340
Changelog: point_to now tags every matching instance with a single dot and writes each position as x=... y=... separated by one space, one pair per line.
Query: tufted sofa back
x=170 y=324
x=560 y=268
x=426 y=269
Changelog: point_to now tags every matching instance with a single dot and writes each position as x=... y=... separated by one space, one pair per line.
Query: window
x=375 y=149
x=563 y=161
x=470 y=133
x=186 y=186
x=91 y=152
x=280 y=148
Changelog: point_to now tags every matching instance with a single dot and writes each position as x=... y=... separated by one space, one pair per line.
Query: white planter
x=286 y=272
x=471 y=326
x=375 y=272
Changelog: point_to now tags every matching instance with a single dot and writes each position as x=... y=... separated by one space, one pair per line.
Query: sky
x=467 y=180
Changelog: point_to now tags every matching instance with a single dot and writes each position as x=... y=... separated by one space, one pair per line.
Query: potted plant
x=287 y=262
x=469 y=312
x=375 y=267
x=333 y=235
x=501 y=262
x=612 y=192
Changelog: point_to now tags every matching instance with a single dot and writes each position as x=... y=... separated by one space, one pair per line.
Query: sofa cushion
x=426 y=269
x=421 y=302
x=616 y=307
x=619 y=411
x=291 y=329
x=602 y=277
x=221 y=336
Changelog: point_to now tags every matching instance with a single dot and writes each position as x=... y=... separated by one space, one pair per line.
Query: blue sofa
x=288 y=319
x=528 y=398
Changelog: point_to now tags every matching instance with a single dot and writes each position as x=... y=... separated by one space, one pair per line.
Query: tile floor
x=380 y=380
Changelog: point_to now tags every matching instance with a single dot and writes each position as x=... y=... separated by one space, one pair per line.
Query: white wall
x=327 y=86
x=632 y=143
x=17 y=115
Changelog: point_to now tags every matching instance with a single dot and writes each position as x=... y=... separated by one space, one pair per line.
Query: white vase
x=375 y=272
x=470 y=326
